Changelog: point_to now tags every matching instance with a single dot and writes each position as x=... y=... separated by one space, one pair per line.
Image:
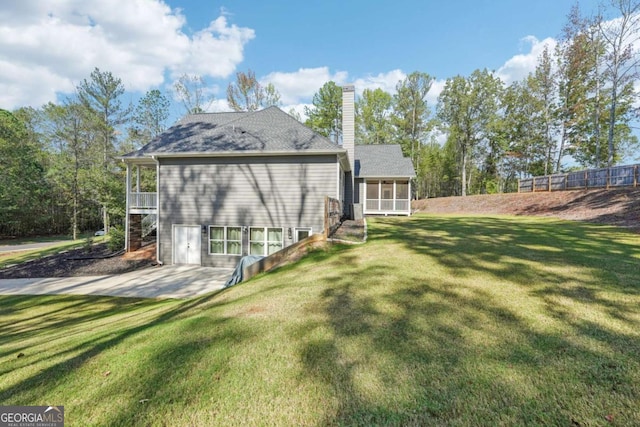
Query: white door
x=186 y=244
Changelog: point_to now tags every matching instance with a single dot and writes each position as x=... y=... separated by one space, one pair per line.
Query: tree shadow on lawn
x=54 y=315
x=439 y=357
x=593 y=264
x=402 y=348
x=160 y=385
x=428 y=351
x=503 y=247
x=124 y=319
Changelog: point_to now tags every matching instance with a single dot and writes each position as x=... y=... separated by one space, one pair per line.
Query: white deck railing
x=143 y=200
x=387 y=205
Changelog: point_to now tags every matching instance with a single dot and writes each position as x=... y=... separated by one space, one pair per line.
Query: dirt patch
x=350 y=230
x=80 y=262
x=620 y=207
x=147 y=252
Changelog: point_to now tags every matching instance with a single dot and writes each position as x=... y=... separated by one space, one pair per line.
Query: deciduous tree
x=538 y=98
x=373 y=111
x=325 y=116
x=247 y=94
x=22 y=180
x=621 y=60
x=67 y=131
x=468 y=108
x=100 y=96
x=190 y=91
x=151 y=114
x=574 y=64
x=411 y=112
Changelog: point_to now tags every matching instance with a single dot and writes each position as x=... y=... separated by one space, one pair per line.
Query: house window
x=234 y=240
x=225 y=240
x=216 y=240
x=302 y=233
x=265 y=241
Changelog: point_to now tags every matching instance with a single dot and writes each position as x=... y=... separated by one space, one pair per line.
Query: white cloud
x=385 y=81
x=14 y=91
x=299 y=109
x=298 y=87
x=519 y=66
x=436 y=88
x=294 y=87
x=49 y=47
x=219 y=106
x=216 y=50
x=439 y=137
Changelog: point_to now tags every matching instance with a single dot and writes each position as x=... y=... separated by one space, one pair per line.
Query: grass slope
x=437 y=320
x=616 y=206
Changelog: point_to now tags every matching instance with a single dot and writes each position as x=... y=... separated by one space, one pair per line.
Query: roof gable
x=266 y=131
x=382 y=161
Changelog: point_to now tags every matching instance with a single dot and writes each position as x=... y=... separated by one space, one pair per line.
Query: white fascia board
x=247 y=154
x=138 y=160
x=386 y=177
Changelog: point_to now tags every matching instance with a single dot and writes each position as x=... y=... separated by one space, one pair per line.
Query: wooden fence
x=613 y=177
x=332 y=215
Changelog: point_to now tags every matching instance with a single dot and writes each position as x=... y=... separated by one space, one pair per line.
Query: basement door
x=186 y=244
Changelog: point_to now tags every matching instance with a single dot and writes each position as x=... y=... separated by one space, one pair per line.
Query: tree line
x=60 y=167
x=576 y=108
x=61 y=174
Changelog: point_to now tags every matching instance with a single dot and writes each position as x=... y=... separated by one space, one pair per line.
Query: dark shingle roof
x=381 y=161
x=268 y=130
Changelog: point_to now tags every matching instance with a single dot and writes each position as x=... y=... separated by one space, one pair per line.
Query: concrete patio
x=182 y=281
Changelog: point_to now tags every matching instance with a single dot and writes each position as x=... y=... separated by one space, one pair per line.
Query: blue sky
x=47 y=48
x=443 y=38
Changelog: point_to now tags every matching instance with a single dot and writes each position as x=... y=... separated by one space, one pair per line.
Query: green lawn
x=435 y=321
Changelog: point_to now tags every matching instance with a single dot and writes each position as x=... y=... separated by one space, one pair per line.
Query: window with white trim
x=225 y=240
x=302 y=233
x=265 y=240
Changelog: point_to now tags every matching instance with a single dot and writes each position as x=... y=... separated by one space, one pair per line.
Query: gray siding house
x=234 y=184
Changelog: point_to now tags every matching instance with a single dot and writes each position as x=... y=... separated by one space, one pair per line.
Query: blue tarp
x=236 y=277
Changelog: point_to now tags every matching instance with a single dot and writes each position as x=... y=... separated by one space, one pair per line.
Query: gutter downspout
x=155 y=159
x=126 y=209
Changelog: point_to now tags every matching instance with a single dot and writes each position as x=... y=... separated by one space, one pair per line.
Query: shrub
x=116 y=239
x=493 y=187
x=87 y=245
